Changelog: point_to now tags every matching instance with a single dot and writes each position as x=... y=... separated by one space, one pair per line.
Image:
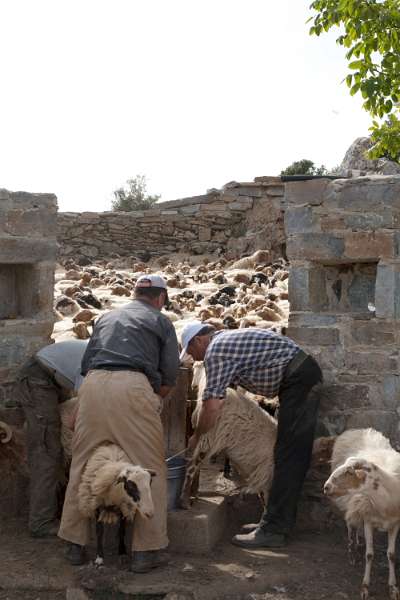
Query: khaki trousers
x=119 y=407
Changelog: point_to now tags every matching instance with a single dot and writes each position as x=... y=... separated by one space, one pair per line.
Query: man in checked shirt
x=268 y=364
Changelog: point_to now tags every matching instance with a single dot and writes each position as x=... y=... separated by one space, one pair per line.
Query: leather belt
x=115 y=368
x=296 y=362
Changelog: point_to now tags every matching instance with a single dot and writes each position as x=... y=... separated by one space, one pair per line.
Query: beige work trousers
x=119 y=407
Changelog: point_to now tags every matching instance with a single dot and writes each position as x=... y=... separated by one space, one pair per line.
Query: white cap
x=188 y=333
x=147 y=281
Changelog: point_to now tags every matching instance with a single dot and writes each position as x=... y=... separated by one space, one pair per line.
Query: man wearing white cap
x=132 y=360
x=268 y=364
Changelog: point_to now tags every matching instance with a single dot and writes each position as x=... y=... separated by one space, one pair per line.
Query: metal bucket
x=175 y=478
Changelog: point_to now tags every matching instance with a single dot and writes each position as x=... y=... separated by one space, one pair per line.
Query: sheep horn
x=5 y=432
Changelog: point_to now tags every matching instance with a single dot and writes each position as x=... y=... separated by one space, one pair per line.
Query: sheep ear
x=152 y=473
x=360 y=474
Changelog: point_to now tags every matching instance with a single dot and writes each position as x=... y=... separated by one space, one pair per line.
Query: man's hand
x=193 y=441
x=164 y=390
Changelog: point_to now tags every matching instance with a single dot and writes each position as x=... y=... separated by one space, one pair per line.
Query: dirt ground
x=313 y=567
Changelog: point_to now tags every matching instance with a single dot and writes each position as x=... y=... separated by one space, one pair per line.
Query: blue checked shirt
x=252 y=358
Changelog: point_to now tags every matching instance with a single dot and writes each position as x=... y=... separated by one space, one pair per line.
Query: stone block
x=301 y=219
x=319 y=247
x=387 y=291
x=241 y=205
x=371 y=333
x=310 y=192
x=35 y=222
x=344 y=397
x=27 y=250
x=311 y=319
x=307 y=287
x=204 y=234
x=391 y=392
x=369 y=221
x=369 y=245
x=332 y=222
x=370 y=362
x=190 y=210
x=354 y=195
x=317 y=336
x=196 y=531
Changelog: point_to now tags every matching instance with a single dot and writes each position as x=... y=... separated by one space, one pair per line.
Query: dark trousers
x=39 y=396
x=296 y=425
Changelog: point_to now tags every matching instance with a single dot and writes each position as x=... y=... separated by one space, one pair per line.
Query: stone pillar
x=28 y=250
x=344 y=292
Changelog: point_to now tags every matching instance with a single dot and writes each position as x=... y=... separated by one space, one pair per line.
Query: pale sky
x=190 y=93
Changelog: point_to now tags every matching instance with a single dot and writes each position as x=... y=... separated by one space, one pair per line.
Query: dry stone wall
x=343 y=243
x=239 y=218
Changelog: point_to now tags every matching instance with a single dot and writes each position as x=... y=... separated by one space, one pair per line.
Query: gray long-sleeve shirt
x=137 y=337
x=63 y=359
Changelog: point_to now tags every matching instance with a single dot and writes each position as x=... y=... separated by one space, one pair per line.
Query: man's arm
x=219 y=375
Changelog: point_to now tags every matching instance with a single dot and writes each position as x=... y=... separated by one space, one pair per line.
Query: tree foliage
x=370 y=32
x=133 y=196
x=304 y=167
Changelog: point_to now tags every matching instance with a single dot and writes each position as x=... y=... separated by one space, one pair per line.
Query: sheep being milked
x=112 y=490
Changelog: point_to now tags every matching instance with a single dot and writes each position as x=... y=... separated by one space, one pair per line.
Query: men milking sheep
x=269 y=364
x=131 y=362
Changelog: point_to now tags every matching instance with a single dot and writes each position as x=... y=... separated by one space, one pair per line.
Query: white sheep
x=365 y=486
x=112 y=489
x=244 y=431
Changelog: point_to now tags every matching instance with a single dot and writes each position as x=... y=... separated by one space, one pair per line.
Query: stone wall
x=343 y=242
x=240 y=218
x=28 y=251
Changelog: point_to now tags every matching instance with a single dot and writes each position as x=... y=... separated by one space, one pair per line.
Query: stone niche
x=28 y=249
x=343 y=243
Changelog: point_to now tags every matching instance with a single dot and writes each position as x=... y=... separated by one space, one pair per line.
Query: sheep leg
x=99 y=539
x=227 y=468
x=369 y=555
x=122 y=553
x=121 y=537
x=393 y=589
x=192 y=469
x=351 y=544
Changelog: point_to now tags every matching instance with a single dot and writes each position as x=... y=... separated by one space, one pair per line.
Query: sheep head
x=349 y=477
x=137 y=485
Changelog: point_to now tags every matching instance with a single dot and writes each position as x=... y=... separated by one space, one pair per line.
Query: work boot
x=145 y=561
x=259 y=538
x=48 y=530
x=75 y=554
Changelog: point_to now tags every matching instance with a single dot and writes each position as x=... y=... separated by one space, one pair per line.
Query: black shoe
x=75 y=554
x=260 y=539
x=50 y=530
x=145 y=561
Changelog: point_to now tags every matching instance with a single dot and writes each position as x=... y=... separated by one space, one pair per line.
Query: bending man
x=132 y=359
x=268 y=364
x=45 y=381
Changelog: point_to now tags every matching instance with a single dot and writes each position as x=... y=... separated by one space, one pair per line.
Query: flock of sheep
x=365 y=470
